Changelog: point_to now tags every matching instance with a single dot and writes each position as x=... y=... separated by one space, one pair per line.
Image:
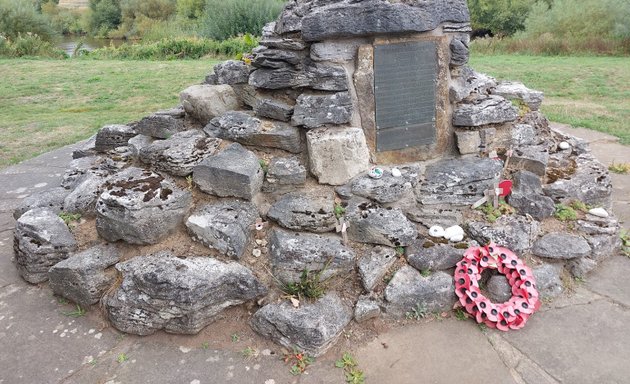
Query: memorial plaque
x=405 y=79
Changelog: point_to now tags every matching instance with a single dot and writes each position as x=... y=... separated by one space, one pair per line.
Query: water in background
x=69 y=43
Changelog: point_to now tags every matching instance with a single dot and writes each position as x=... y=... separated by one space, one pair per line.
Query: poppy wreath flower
x=514 y=313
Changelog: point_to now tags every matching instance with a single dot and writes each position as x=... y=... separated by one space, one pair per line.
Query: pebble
x=454 y=232
x=457 y=238
x=564 y=145
x=396 y=172
x=256 y=252
x=436 y=231
x=599 y=212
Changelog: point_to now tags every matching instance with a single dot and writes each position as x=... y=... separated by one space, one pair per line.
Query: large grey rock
x=425 y=255
x=138 y=142
x=179 y=154
x=313 y=212
x=312 y=328
x=514 y=232
x=371 y=17
x=177 y=294
x=466 y=82
x=592 y=225
x=284 y=171
x=409 y=290
x=518 y=91
x=562 y=246
x=337 y=155
x=591 y=184
x=444 y=215
x=159 y=126
x=205 y=102
x=112 y=136
x=499 y=289
x=234 y=172
x=533 y=158
x=604 y=246
x=51 y=199
x=374 y=265
x=140 y=207
x=273 y=109
x=292 y=253
x=84 y=196
x=86 y=150
x=548 y=280
x=365 y=309
x=265 y=57
x=319 y=76
x=387 y=189
x=83 y=277
x=370 y=223
x=41 y=240
x=579 y=268
x=458 y=181
x=459 y=52
x=312 y=111
x=272 y=39
x=527 y=196
x=484 y=111
x=78 y=170
x=230 y=72
x=225 y=226
x=468 y=142
x=335 y=51
x=524 y=134
x=248 y=130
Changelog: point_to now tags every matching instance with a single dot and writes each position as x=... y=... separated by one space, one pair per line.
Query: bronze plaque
x=405 y=79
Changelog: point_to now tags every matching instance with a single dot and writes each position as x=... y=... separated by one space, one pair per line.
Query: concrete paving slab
x=610 y=279
x=6 y=222
x=578 y=344
x=447 y=351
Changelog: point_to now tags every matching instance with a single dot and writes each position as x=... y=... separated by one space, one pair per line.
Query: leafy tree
x=21 y=17
x=501 y=17
x=190 y=9
x=106 y=15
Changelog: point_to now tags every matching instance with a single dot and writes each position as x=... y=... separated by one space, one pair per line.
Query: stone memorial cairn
x=262 y=177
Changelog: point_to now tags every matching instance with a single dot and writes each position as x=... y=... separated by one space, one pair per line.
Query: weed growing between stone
x=579 y=206
x=418 y=312
x=77 y=312
x=250 y=353
x=619 y=168
x=492 y=213
x=565 y=213
x=310 y=285
x=121 y=358
x=625 y=242
x=400 y=251
x=264 y=166
x=205 y=345
x=235 y=337
x=69 y=218
x=349 y=365
x=339 y=210
x=299 y=361
x=460 y=314
x=425 y=272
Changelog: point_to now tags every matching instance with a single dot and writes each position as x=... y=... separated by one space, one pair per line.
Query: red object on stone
x=506 y=187
x=514 y=313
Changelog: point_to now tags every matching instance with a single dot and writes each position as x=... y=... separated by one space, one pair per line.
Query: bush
x=19 y=17
x=502 y=18
x=29 y=45
x=63 y=20
x=105 y=16
x=139 y=16
x=228 y=18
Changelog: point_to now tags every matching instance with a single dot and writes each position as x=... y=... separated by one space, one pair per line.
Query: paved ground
x=579 y=338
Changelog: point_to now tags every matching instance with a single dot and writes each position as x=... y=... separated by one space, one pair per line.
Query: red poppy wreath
x=512 y=314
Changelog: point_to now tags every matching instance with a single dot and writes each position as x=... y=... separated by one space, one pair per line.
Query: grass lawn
x=589 y=92
x=46 y=104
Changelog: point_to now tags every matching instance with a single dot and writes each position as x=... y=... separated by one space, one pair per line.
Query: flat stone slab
x=424 y=255
x=563 y=246
x=205 y=102
x=513 y=90
x=160 y=126
x=177 y=294
x=112 y=136
x=387 y=189
x=373 y=224
x=310 y=212
x=514 y=232
x=409 y=290
x=484 y=111
x=226 y=226
x=611 y=279
x=313 y=110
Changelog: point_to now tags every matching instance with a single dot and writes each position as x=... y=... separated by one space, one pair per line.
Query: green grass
x=589 y=92
x=47 y=104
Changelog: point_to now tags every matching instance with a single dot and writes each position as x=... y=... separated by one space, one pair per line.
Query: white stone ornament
x=396 y=172
x=457 y=238
x=454 y=232
x=564 y=145
x=599 y=212
x=436 y=231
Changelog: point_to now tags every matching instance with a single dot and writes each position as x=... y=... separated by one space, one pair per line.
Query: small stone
x=160 y=126
x=561 y=246
x=284 y=172
x=484 y=111
x=499 y=289
x=548 y=280
x=52 y=199
x=581 y=267
x=374 y=265
x=232 y=72
x=436 y=231
x=205 y=102
x=337 y=154
x=396 y=172
x=465 y=81
x=273 y=109
x=138 y=142
x=386 y=188
x=455 y=231
x=84 y=196
x=590 y=184
x=518 y=91
x=533 y=158
x=425 y=255
x=468 y=142
x=564 y=146
x=456 y=238
x=599 y=212
x=365 y=309
x=256 y=252
x=513 y=232
x=373 y=224
x=527 y=196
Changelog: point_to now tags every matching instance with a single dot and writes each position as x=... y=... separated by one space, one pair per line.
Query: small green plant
x=205 y=345
x=339 y=210
x=619 y=168
x=425 y=273
x=400 y=251
x=93 y=362
x=625 y=242
x=250 y=353
x=235 y=337
x=264 y=165
x=482 y=327
x=492 y=213
x=310 y=285
x=122 y=357
x=190 y=184
x=69 y=217
x=565 y=213
x=577 y=205
x=62 y=300
x=299 y=361
x=77 y=312
x=417 y=313
x=460 y=314
x=349 y=365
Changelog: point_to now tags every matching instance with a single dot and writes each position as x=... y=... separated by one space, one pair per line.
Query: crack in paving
x=625 y=307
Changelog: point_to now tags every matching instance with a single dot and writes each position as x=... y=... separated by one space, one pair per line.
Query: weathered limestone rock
x=318 y=76
x=284 y=171
x=272 y=40
x=79 y=168
x=112 y=136
x=205 y=102
x=273 y=109
x=225 y=226
x=591 y=184
x=83 y=277
x=373 y=224
x=337 y=155
x=465 y=82
x=365 y=309
x=312 y=212
x=84 y=196
x=138 y=142
x=514 y=232
x=41 y=240
x=248 y=130
x=179 y=154
x=292 y=253
x=312 y=328
x=276 y=58
x=51 y=199
x=312 y=111
x=335 y=51
x=499 y=289
x=599 y=226
x=374 y=265
x=387 y=189
x=518 y=91
x=468 y=142
x=234 y=172
x=444 y=215
x=532 y=158
x=459 y=52
x=140 y=207
x=372 y=17
x=524 y=134
x=409 y=290
x=87 y=149
x=160 y=126
x=604 y=246
x=229 y=72
x=562 y=246
x=484 y=111
x=458 y=181
x=178 y=295
x=527 y=196
x=581 y=267
x=548 y=280
x=424 y=255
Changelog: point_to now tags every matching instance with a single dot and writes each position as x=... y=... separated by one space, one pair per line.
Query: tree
x=106 y=15
x=501 y=17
